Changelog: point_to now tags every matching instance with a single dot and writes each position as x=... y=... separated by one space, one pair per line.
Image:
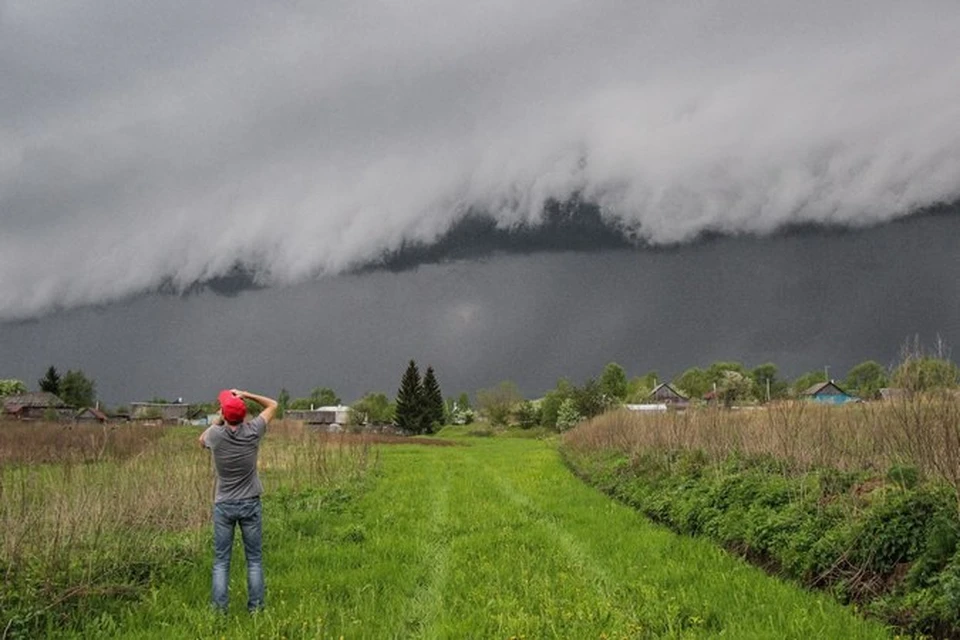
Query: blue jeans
x=226 y=515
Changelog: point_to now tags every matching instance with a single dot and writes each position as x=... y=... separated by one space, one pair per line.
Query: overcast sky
x=158 y=141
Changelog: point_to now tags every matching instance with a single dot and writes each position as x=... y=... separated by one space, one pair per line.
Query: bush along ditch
x=885 y=542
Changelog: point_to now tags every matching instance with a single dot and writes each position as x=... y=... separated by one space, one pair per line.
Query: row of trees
x=420 y=408
x=725 y=382
x=74 y=387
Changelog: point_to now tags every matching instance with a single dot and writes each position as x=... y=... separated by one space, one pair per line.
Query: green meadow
x=485 y=538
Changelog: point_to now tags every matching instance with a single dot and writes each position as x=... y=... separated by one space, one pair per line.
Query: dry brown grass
x=42 y=442
x=79 y=506
x=922 y=430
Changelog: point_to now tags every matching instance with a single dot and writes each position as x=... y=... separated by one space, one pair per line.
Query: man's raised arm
x=269 y=404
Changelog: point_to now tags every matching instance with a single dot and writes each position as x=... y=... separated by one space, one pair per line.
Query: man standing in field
x=235 y=446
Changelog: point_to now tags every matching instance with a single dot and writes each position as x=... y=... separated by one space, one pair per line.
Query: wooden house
x=39 y=405
x=664 y=393
x=90 y=415
x=828 y=393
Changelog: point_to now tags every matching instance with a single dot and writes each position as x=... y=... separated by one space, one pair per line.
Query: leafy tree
x=458 y=415
x=926 y=373
x=319 y=397
x=923 y=370
x=11 y=387
x=866 y=379
x=694 y=382
x=550 y=405
x=77 y=390
x=50 y=382
x=527 y=415
x=283 y=401
x=497 y=402
x=715 y=370
x=433 y=410
x=639 y=387
x=589 y=399
x=734 y=387
x=613 y=382
x=373 y=408
x=463 y=401
x=567 y=415
x=807 y=380
x=765 y=377
x=324 y=397
x=408 y=414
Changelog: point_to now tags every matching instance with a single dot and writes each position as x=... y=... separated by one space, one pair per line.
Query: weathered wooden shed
x=39 y=405
x=664 y=393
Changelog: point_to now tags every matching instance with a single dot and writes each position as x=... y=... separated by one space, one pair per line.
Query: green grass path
x=492 y=539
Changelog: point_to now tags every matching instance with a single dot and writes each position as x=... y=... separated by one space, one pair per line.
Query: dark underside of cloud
x=566 y=226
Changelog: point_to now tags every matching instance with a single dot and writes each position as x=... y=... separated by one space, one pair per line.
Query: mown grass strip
x=495 y=539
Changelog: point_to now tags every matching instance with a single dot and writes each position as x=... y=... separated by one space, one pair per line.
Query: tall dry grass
x=92 y=510
x=917 y=429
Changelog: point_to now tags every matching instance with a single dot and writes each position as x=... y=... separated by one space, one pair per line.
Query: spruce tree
x=50 y=382
x=432 y=401
x=409 y=411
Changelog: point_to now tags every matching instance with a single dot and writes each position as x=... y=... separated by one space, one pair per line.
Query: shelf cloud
x=167 y=144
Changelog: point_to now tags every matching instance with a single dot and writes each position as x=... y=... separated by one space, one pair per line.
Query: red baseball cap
x=232 y=407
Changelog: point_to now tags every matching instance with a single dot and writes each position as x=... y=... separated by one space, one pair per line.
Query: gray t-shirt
x=235 y=457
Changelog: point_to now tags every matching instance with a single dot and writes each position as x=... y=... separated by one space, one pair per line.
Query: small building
x=664 y=393
x=90 y=414
x=39 y=405
x=165 y=411
x=828 y=393
x=892 y=393
x=640 y=408
x=331 y=415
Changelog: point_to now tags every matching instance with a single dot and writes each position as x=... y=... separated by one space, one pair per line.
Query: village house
x=165 y=411
x=90 y=415
x=332 y=417
x=663 y=397
x=828 y=393
x=39 y=405
x=664 y=393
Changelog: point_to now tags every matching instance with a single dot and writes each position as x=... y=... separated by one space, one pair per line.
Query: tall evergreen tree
x=50 y=382
x=432 y=400
x=409 y=412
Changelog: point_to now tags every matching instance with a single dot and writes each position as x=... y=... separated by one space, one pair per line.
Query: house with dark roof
x=90 y=414
x=828 y=393
x=664 y=393
x=39 y=405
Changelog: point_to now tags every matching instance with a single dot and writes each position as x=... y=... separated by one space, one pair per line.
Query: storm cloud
x=174 y=143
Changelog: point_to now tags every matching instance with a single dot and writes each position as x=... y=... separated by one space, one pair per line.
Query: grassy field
x=860 y=500
x=488 y=538
x=92 y=517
